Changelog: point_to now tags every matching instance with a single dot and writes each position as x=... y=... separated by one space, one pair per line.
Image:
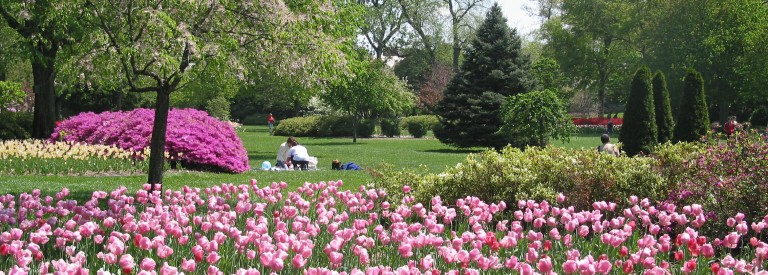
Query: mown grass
x=369 y=153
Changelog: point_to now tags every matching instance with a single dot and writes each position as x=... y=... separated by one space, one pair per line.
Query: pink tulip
x=604 y=266
x=212 y=257
x=126 y=262
x=405 y=250
x=570 y=267
x=336 y=258
x=168 y=270
x=426 y=263
x=164 y=251
x=525 y=269
x=188 y=265
x=544 y=265
x=147 y=264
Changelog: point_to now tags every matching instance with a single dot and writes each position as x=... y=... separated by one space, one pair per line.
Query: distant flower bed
x=193 y=137
x=322 y=229
x=23 y=157
x=597 y=120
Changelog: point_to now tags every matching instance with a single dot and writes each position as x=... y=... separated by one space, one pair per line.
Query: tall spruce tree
x=639 y=133
x=664 y=121
x=494 y=68
x=693 y=118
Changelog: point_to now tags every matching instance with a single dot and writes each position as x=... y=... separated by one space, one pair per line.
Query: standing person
x=730 y=127
x=299 y=156
x=609 y=127
x=607 y=146
x=283 y=157
x=270 y=122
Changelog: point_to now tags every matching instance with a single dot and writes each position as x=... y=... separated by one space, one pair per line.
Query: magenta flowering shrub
x=322 y=229
x=193 y=137
x=727 y=176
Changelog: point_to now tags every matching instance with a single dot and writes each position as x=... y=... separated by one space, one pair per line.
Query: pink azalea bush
x=322 y=229
x=193 y=136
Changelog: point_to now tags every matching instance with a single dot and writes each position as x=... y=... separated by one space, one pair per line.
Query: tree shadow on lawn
x=262 y=157
x=332 y=143
x=454 y=151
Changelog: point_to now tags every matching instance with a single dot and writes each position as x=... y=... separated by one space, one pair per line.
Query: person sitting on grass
x=607 y=146
x=299 y=156
x=283 y=157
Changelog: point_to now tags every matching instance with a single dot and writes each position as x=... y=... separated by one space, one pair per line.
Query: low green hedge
x=15 y=125
x=583 y=176
x=418 y=126
x=390 y=127
x=323 y=126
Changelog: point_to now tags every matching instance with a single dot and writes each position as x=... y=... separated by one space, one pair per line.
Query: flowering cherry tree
x=161 y=46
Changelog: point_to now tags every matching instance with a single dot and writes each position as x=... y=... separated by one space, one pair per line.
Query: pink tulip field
x=322 y=228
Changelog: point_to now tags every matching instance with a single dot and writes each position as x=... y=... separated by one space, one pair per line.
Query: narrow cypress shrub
x=693 y=119
x=639 y=133
x=664 y=121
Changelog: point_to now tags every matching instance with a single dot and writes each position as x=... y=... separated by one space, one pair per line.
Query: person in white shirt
x=608 y=147
x=283 y=157
x=299 y=156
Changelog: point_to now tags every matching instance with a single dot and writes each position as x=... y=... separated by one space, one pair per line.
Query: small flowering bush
x=193 y=137
x=22 y=157
x=322 y=229
x=730 y=175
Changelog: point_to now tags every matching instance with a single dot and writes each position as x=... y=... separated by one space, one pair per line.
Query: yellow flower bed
x=42 y=157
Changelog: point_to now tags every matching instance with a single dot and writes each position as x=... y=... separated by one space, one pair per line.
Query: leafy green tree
x=494 y=69
x=160 y=46
x=664 y=121
x=593 y=43
x=374 y=89
x=723 y=40
x=44 y=28
x=546 y=71
x=639 y=133
x=532 y=119
x=417 y=64
x=693 y=119
x=10 y=92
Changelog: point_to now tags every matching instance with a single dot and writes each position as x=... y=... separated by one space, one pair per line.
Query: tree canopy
x=373 y=90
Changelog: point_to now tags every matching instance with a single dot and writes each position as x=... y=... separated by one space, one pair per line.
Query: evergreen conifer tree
x=693 y=118
x=664 y=121
x=639 y=133
x=494 y=68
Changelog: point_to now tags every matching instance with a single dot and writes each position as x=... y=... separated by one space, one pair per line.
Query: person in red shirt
x=730 y=126
x=271 y=122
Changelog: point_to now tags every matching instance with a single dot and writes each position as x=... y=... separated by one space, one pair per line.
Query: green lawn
x=398 y=152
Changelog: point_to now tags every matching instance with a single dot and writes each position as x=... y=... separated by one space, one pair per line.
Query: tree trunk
x=354 y=128
x=44 y=75
x=456 y=53
x=157 y=143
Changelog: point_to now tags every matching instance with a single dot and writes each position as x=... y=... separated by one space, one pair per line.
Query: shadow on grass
x=332 y=143
x=454 y=151
x=261 y=157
